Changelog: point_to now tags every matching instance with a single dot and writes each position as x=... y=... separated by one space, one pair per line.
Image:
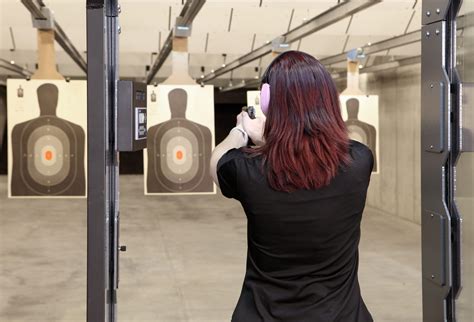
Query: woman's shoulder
x=240 y=158
x=361 y=153
x=232 y=156
x=356 y=146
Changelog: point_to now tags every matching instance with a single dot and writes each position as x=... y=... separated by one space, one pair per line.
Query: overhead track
x=188 y=13
x=11 y=66
x=244 y=84
x=34 y=7
x=391 y=65
x=254 y=83
x=373 y=48
x=398 y=41
x=325 y=19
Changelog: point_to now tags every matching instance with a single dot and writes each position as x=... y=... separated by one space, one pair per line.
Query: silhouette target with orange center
x=48 y=152
x=179 y=152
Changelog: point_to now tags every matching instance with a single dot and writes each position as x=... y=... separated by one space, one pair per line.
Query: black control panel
x=140 y=126
x=132 y=116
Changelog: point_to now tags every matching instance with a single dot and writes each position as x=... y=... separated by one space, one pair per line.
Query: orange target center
x=179 y=155
x=48 y=155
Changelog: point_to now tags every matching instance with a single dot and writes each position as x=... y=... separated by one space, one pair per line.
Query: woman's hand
x=254 y=128
x=239 y=119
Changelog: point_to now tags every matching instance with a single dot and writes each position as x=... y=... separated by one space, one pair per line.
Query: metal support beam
x=102 y=177
x=398 y=41
x=252 y=83
x=394 y=42
x=60 y=36
x=188 y=13
x=440 y=114
x=325 y=19
x=255 y=83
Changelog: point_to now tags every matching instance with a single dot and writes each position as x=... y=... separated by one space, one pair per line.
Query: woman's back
x=302 y=246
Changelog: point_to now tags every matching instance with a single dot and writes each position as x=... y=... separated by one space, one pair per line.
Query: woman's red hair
x=306 y=140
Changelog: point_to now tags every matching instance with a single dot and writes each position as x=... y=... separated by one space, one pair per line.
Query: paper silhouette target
x=179 y=146
x=361 y=115
x=47 y=152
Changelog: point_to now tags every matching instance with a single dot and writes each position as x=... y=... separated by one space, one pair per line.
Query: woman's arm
x=237 y=138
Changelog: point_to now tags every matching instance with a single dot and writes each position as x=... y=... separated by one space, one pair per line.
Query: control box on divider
x=132 y=115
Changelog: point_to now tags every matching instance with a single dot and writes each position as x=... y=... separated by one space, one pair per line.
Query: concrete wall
x=396 y=189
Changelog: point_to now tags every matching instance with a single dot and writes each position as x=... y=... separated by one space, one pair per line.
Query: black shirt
x=302 y=257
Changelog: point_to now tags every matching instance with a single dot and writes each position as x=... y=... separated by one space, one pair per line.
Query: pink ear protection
x=265 y=98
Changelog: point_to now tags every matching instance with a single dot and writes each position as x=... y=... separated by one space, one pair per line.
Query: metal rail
x=398 y=41
x=391 y=65
x=254 y=83
x=327 y=18
x=5 y=64
x=188 y=13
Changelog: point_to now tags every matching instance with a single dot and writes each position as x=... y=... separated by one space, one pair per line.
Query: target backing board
x=180 y=140
x=253 y=99
x=47 y=122
x=361 y=115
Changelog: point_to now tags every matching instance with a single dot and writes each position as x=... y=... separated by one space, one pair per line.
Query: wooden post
x=352 y=79
x=46 y=57
x=180 y=63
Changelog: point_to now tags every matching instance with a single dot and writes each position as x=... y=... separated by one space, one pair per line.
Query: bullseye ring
x=48 y=155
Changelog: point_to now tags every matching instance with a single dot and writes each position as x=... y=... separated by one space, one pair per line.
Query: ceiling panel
x=143 y=20
x=415 y=23
x=212 y=17
x=154 y=17
x=229 y=43
x=273 y=21
x=323 y=45
x=385 y=18
x=197 y=42
x=132 y=40
x=360 y=41
x=408 y=50
x=13 y=14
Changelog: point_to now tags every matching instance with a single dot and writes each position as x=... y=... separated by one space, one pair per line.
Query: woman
x=303 y=189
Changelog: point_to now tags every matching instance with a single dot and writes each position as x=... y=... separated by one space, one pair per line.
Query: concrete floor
x=185 y=259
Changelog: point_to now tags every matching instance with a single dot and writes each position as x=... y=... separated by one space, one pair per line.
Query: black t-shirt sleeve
x=372 y=161
x=227 y=173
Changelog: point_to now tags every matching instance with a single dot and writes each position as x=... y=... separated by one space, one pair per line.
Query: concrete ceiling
x=147 y=22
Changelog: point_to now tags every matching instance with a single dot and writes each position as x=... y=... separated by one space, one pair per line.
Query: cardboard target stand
x=361 y=115
x=180 y=140
x=360 y=112
x=180 y=130
x=47 y=122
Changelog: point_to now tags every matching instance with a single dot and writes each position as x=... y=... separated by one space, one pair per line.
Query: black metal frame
x=441 y=257
x=102 y=201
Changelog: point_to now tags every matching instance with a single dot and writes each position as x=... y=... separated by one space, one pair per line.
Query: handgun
x=250 y=111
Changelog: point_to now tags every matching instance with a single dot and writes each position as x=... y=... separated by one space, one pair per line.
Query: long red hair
x=306 y=140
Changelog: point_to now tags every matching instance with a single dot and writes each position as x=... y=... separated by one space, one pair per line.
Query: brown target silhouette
x=48 y=152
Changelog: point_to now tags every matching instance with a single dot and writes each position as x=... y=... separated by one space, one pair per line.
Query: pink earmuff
x=265 y=98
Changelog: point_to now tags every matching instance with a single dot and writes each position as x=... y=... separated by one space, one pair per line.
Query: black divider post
x=102 y=193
